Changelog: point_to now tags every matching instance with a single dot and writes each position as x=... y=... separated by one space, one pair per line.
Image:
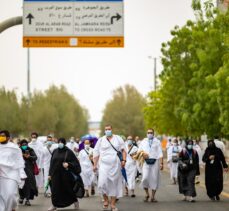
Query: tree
x=10 y=118
x=191 y=83
x=54 y=111
x=125 y=112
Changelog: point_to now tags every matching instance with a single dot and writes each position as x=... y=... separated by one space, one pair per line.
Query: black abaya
x=29 y=190
x=214 y=171
x=62 y=181
x=186 y=178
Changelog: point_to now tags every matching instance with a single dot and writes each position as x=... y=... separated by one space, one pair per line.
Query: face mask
x=190 y=146
x=150 y=136
x=87 y=147
x=72 y=141
x=2 y=139
x=175 y=144
x=108 y=133
x=25 y=147
x=130 y=142
x=60 y=145
x=33 y=139
x=49 y=143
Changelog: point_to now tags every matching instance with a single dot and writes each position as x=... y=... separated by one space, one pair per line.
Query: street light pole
x=154 y=72
x=10 y=22
x=14 y=22
x=28 y=74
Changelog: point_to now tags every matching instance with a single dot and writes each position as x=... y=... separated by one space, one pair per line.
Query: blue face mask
x=24 y=147
x=60 y=145
x=150 y=136
x=190 y=146
x=130 y=142
x=108 y=133
x=49 y=143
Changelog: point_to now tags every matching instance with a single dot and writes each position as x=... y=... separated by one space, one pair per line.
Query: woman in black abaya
x=215 y=162
x=63 y=164
x=29 y=190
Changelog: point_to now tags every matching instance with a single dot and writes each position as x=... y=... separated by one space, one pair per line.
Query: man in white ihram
x=153 y=155
x=72 y=145
x=49 y=147
x=219 y=144
x=85 y=159
x=37 y=146
x=11 y=172
x=110 y=176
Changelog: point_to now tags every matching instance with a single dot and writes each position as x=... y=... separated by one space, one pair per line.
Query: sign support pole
x=28 y=74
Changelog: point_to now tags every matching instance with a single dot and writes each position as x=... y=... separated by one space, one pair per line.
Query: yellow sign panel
x=73 y=42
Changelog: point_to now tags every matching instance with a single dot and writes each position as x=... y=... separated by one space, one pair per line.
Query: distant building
x=94 y=128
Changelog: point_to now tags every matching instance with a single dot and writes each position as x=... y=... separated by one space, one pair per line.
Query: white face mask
x=33 y=139
x=72 y=141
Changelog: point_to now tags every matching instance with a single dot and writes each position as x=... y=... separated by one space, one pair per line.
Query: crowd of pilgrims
x=113 y=166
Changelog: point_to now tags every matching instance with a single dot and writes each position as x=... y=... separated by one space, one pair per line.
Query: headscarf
x=62 y=140
x=189 y=141
x=23 y=141
x=211 y=149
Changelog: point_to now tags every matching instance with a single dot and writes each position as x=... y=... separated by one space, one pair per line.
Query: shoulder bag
x=119 y=154
x=78 y=187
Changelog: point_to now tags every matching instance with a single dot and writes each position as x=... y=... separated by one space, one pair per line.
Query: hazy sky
x=91 y=74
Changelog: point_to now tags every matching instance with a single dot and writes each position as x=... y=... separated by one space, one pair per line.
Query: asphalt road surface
x=168 y=200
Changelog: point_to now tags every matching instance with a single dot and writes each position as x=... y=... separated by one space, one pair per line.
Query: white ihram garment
x=199 y=152
x=47 y=154
x=74 y=147
x=11 y=173
x=131 y=168
x=151 y=173
x=37 y=146
x=110 y=176
x=87 y=173
x=173 y=166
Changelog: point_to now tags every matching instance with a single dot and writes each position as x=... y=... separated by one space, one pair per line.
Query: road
x=167 y=196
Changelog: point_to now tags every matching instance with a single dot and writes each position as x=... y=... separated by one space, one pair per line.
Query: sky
x=91 y=74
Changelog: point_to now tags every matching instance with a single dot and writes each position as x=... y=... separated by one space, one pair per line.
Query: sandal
x=153 y=200
x=114 y=209
x=146 y=199
x=92 y=191
x=105 y=207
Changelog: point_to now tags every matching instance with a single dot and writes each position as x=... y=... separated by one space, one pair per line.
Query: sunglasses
x=149 y=132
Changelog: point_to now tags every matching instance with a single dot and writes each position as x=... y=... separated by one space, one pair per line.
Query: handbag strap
x=130 y=149
x=49 y=150
x=112 y=145
x=86 y=151
x=65 y=157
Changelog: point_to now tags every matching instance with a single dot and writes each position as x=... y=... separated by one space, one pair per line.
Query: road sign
x=73 y=23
